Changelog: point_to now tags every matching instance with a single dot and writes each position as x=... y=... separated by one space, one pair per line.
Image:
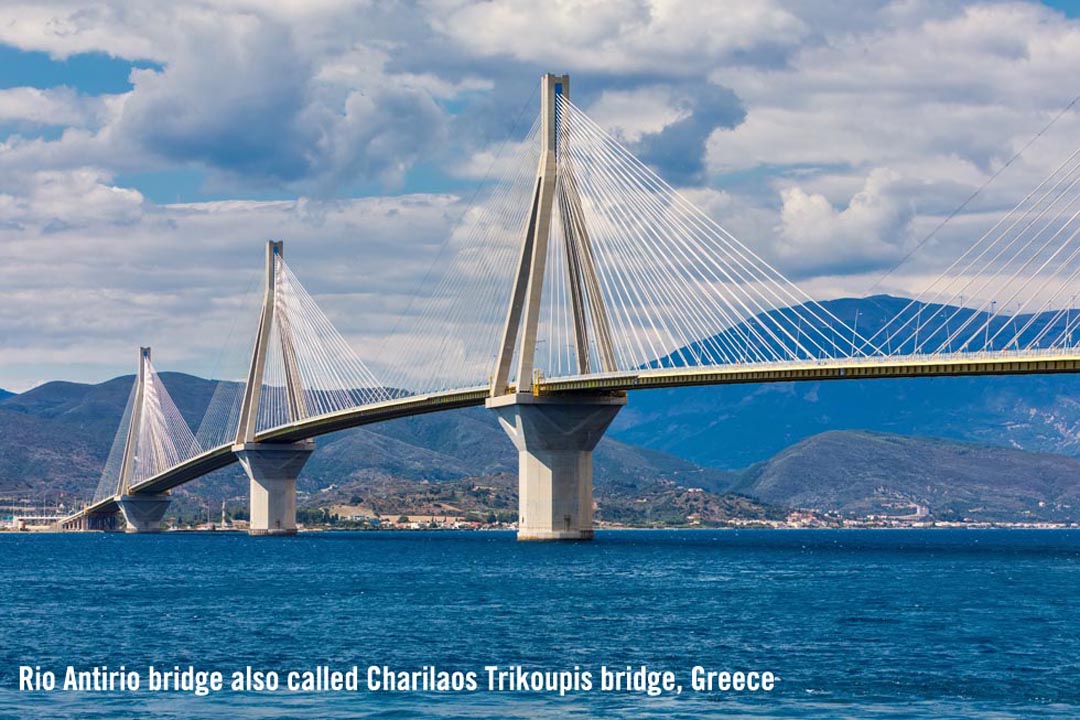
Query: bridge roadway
x=1030 y=362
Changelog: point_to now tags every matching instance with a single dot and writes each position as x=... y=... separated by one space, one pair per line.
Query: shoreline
x=621 y=528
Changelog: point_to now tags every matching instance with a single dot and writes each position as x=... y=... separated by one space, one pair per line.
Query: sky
x=149 y=149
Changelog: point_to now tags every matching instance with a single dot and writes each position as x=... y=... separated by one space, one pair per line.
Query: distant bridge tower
x=554 y=435
x=153 y=436
x=142 y=513
x=272 y=468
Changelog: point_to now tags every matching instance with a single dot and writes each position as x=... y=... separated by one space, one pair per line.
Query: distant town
x=23 y=515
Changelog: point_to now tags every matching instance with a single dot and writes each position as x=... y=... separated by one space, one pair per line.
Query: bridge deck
x=1043 y=362
x=994 y=363
x=223 y=456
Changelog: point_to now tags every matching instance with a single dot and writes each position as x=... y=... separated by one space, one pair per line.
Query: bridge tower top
x=249 y=408
x=552 y=87
x=127 y=464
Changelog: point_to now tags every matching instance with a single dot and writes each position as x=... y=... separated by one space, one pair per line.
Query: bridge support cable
x=587 y=301
x=443 y=340
x=1012 y=289
x=163 y=438
x=109 y=484
x=217 y=428
x=222 y=416
x=675 y=288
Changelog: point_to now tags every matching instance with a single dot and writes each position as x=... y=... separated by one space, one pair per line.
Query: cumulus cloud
x=63 y=28
x=678 y=149
x=62 y=107
x=961 y=86
x=633 y=113
x=231 y=99
x=818 y=238
x=676 y=37
x=50 y=201
x=943 y=96
x=259 y=94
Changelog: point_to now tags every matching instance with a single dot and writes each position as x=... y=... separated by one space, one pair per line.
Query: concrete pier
x=90 y=522
x=143 y=513
x=102 y=522
x=555 y=438
x=272 y=470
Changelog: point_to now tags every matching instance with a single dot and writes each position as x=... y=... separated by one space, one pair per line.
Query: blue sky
x=93 y=73
x=147 y=149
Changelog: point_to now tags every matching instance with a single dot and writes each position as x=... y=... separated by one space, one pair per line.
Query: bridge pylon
x=555 y=436
x=153 y=437
x=142 y=513
x=272 y=468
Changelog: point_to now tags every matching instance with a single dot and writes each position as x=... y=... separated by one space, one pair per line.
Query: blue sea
x=855 y=623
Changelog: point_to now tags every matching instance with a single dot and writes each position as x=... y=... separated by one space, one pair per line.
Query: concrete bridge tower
x=271 y=468
x=142 y=513
x=554 y=435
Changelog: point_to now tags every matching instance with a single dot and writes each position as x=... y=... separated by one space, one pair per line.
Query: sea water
x=849 y=623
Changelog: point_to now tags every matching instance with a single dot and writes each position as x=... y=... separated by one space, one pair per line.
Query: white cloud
x=57 y=107
x=680 y=37
x=967 y=85
x=67 y=28
x=816 y=237
x=633 y=113
x=940 y=96
x=54 y=200
x=257 y=94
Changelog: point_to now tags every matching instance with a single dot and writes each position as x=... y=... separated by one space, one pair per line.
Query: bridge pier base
x=143 y=513
x=101 y=522
x=555 y=438
x=94 y=522
x=273 y=470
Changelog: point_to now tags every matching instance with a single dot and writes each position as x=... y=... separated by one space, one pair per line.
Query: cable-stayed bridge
x=582 y=277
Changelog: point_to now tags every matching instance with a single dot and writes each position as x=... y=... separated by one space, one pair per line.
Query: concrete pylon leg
x=555 y=438
x=143 y=513
x=273 y=470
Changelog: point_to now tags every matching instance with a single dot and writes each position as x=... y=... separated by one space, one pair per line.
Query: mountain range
x=734 y=426
x=988 y=448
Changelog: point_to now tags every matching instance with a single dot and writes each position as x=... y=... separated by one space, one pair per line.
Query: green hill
x=864 y=473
